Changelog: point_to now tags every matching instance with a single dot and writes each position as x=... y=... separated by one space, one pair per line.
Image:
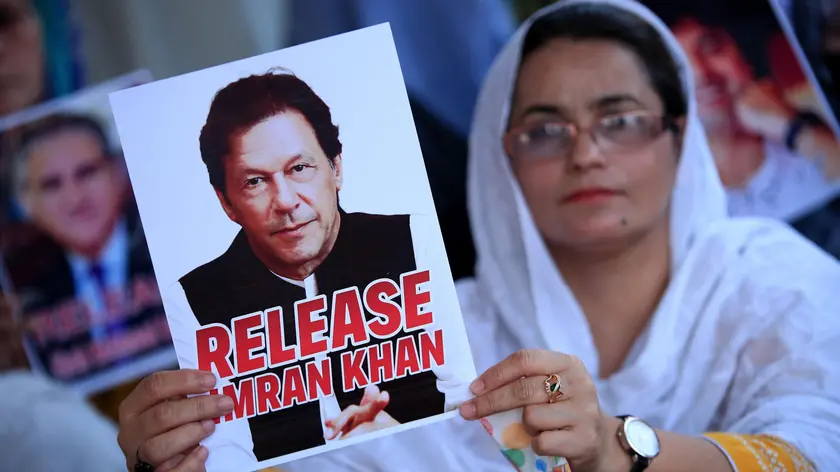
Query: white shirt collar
x=112 y=255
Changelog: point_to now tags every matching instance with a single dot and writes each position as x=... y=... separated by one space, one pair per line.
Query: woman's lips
x=588 y=195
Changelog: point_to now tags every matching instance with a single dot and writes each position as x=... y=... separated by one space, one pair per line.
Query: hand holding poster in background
x=76 y=267
x=294 y=235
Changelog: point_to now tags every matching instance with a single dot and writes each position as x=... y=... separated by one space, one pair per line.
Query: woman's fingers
x=560 y=443
x=161 y=448
x=524 y=363
x=170 y=464
x=538 y=418
x=194 y=462
x=172 y=414
x=573 y=444
x=161 y=386
x=520 y=392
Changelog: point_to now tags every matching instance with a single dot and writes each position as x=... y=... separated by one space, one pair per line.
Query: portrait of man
x=274 y=160
x=87 y=282
x=766 y=122
x=738 y=108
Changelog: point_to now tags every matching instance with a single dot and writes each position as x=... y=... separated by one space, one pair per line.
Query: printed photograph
x=769 y=124
x=76 y=268
x=294 y=237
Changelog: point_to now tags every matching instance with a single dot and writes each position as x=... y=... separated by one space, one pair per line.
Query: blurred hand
x=762 y=110
x=819 y=143
x=368 y=415
x=163 y=427
x=831 y=166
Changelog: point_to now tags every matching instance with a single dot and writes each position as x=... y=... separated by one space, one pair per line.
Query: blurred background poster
x=76 y=266
x=770 y=126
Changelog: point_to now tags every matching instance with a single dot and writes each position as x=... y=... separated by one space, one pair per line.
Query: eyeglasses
x=613 y=134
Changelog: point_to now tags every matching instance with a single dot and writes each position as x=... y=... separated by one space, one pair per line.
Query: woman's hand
x=572 y=427
x=163 y=427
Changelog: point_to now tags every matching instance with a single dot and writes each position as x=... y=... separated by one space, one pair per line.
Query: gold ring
x=553 y=387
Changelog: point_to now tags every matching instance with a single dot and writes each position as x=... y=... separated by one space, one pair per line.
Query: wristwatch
x=639 y=440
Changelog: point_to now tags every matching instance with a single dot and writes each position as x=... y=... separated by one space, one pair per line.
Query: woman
x=601 y=232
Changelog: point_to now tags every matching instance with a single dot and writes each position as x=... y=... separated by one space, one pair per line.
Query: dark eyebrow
x=307 y=158
x=543 y=109
x=608 y=101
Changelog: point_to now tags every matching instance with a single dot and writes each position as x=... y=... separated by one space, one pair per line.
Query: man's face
x=282 y=190
x=72 y=190
x=720 y=70
x=21 y=56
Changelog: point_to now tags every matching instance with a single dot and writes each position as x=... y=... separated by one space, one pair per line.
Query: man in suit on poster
x=93 y=260
x=274 y=160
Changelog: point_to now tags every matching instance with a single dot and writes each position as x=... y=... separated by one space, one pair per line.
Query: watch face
x=642 y=438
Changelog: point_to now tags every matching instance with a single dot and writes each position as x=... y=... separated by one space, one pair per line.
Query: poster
x=76 y=268
x=768 y=123
x=294 y=236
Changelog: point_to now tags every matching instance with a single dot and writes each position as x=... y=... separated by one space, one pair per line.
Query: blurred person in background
x=22 y=64
x=44 y=427
x=39 y=60
x=445 y=48
x=609 y=271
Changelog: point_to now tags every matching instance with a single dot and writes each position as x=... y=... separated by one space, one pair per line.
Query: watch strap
x=639 y=463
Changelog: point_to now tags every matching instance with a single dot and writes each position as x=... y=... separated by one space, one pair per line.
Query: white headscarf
x=749 y=303
x=495 y=197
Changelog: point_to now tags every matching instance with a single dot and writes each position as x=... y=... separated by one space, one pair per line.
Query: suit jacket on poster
x=53 y=285
x=368 y=247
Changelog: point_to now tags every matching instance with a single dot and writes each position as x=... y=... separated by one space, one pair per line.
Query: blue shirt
x=445 y=47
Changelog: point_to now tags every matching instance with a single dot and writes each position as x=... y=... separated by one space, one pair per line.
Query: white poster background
x=357 y=74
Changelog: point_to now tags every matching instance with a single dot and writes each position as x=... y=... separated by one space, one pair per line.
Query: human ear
x=339 y=174
x=226 y=205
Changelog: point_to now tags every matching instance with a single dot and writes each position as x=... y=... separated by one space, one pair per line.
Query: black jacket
x=368 y=247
